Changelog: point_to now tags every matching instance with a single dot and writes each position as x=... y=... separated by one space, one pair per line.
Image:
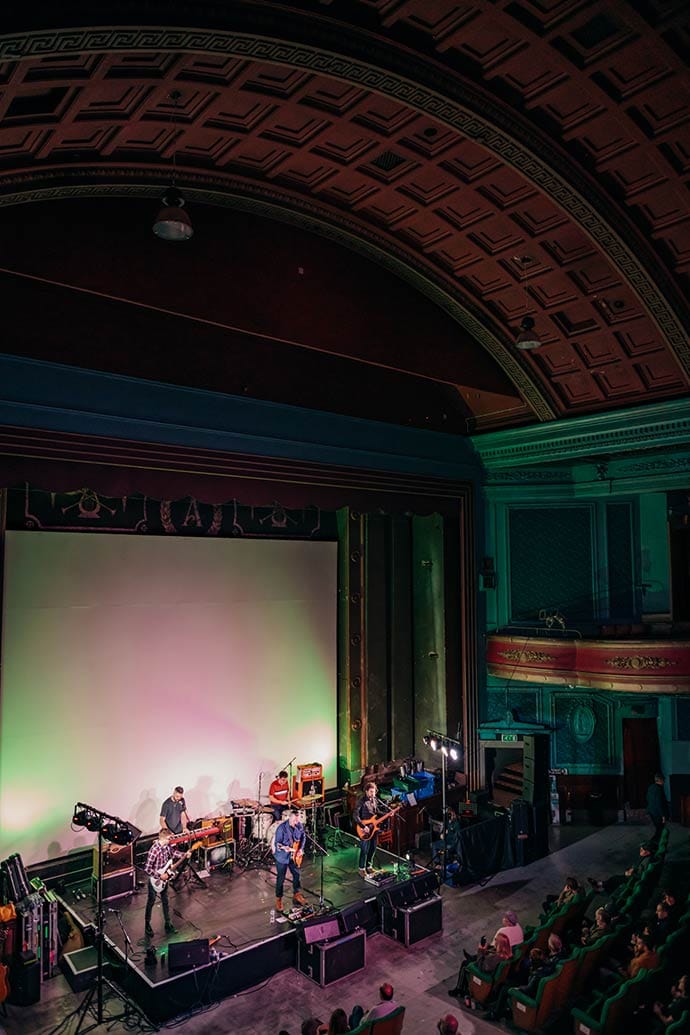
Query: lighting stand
x=322 y=855
x=445 y=814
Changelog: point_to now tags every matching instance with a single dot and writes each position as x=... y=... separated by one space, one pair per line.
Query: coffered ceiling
x=380 y=193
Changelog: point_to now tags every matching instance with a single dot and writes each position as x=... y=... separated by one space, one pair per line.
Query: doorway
x=640 y=759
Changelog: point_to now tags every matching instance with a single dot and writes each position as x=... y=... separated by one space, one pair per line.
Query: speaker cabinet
x=122 y=882
x=425 y=885
x=413 y=924
x=25 y=980
x=530 y=831
x=326 y=962
x=535 y=764
x=188 y=955
x=362 y=914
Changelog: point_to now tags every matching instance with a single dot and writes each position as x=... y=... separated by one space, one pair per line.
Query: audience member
x=556 y=950
x=612 y=883
x=337 y=1025
x=448 y=1025
x=644 y=957
x=511 y=929
x=600 y=927
x=489 y=957
x=539 y=966
x=570 y=889
x=310 y=1026
x=666 y=1014
x=385 y=1006
x=662 y=924
x=657 y=805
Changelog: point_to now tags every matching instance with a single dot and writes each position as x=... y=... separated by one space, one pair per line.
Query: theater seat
x=391 y=1024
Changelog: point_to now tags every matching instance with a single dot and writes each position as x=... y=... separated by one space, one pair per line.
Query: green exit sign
x=509 y=738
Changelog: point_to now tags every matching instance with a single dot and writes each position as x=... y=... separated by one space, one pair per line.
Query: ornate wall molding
x=630 y=666
x=658 y=427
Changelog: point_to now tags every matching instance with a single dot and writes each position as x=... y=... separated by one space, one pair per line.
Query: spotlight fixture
x=426 y=739
x=454 y=754
x=93 y=822
x=80 y=816
x=444 y=749
x=527 y=339
x=433 y=743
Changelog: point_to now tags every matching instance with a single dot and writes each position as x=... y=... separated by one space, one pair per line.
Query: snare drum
x=262 y=824
x=301 y=815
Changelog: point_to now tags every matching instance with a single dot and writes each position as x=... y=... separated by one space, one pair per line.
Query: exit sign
x=509 y=738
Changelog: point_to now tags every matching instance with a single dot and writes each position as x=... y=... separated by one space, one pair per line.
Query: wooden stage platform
x=232 y=909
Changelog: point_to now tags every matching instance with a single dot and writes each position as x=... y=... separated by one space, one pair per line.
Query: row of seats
x=606 y=1012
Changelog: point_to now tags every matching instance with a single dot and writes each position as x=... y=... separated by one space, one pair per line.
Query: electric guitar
x=4 y=983
x=366 y=828
x=160 y=879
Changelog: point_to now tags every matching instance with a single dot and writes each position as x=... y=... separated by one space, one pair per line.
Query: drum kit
x=255 y=827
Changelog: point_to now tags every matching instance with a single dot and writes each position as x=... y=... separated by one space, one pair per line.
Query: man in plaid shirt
x=160 y=854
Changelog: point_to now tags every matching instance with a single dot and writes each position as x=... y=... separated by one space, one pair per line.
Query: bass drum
x=262 y=824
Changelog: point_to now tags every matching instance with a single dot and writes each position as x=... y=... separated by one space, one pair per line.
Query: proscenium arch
x=359 y=238
x=508 y=138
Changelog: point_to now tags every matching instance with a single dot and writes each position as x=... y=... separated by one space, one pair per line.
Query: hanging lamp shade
x=172 y=222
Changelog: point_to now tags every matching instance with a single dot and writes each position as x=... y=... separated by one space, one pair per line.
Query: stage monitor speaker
x=188 y=955
x=399 y=896
x=363 y=914
x=320 y=929
x=326 y=962
x=25 y=980
x=425 y=884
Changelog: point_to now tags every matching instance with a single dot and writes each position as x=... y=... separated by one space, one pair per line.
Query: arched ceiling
x=381 y=190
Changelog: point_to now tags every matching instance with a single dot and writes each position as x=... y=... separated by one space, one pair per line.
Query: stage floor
x=232 y=909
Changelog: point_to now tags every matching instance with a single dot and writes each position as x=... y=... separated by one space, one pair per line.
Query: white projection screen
x=132 y=664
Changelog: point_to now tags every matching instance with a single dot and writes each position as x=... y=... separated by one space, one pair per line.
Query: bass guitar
x=366 y=828
x=160 y=879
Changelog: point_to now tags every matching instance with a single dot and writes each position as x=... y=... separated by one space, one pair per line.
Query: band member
x=279 y=795
x=288 y=844
x=367 y=807
x=174 y=816
x=161 y=855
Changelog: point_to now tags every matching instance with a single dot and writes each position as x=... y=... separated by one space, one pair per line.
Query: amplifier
x=188 y=955
x=123 y=882
x=115 y=857
x=217 y=855
x=326 y=962
x=411 y=924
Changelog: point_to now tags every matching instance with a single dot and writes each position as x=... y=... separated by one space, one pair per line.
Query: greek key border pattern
x=309 y=58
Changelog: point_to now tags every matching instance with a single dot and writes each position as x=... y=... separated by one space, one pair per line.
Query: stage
x=233 y=911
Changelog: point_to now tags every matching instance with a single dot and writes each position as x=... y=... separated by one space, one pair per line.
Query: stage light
x=80 y=816
x=433 y=744
x=93 y=822
x=454 y=754
x=444 y=750
x=426 y=740
x=109 y=831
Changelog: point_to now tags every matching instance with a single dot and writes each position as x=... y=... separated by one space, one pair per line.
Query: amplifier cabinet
x=326 y=962
x=216 y=856
x=411 y=924
x=114 y=857
x=116 y=884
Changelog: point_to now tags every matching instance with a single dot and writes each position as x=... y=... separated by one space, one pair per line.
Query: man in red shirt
x=279 y=795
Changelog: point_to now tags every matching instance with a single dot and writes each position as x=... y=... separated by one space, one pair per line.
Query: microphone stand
x=322 y=853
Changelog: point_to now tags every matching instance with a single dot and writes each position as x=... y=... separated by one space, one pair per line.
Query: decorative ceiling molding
x=659 y=427
x=473 y=124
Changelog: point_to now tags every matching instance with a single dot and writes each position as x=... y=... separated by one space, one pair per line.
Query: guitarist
x=162 y=857
x=288 y=847
x=366 y=809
